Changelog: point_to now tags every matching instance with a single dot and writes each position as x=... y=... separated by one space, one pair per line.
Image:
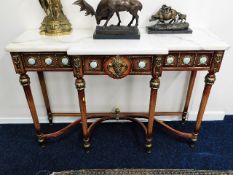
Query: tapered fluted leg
x=80 y=85
x=154 y=84
x=209 y=81
x=25 y=82
x=188 y=96
x=45 y=96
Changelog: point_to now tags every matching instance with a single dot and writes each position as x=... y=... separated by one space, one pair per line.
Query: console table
x=152 y=55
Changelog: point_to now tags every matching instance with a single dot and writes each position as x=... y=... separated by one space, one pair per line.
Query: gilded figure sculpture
x=55 y=21
x=169 y=20
x=105 y=11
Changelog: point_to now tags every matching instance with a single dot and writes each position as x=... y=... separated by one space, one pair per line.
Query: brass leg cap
x=87 y=149
x=50 y=122
x=148 y=150
x=192 y=144
x=184 y=118
x=183 y=121
x=41 y=141
x=195 y=136
x=149 y=147
x=193 y=141
x=86 y=145
x=42 y=145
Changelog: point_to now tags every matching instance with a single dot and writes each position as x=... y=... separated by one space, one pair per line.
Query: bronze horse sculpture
x=167 y=13
x=107 y=8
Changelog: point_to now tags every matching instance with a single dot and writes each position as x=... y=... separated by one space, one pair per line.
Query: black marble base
x=116 y=32
x=169 y=28
x=188 y=31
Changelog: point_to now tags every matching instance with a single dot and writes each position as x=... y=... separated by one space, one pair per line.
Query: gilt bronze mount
x=117 y=67
x=55 y=21
x=169 y=21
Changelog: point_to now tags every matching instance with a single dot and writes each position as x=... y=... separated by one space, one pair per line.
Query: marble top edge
x=159 y=52
x=80 y=42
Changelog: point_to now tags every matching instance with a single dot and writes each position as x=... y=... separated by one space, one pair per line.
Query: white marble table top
x=80 y=42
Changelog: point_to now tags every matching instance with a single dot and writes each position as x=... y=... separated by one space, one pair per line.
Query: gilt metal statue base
x=116 y=32
x=169 y=28
x=55 y=21
x=58 y=27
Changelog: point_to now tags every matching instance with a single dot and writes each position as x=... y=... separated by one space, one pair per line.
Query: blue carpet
x=118 y=145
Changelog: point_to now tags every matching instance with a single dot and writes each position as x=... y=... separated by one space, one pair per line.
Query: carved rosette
x=24 y=80
x=210 y=79
x=117 y=67
x=80 y=84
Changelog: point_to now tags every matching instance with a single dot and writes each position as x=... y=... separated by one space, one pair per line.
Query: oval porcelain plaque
x=48 y=61
x=170 y=59
x=142 y=64
x=32 y=61
x=187 y=60
x=93 y=64
x=65 y=61
x=203 y=60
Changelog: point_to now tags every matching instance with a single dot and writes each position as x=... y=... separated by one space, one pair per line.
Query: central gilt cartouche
x=117 y=67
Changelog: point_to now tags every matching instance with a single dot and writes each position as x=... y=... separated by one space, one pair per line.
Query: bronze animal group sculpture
x=55 y=22
x=105 y=11
x=167 y=13
x=107 y=8
x=169 y=20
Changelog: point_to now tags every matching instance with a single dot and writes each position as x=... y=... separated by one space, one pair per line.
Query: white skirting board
x=209 y=116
